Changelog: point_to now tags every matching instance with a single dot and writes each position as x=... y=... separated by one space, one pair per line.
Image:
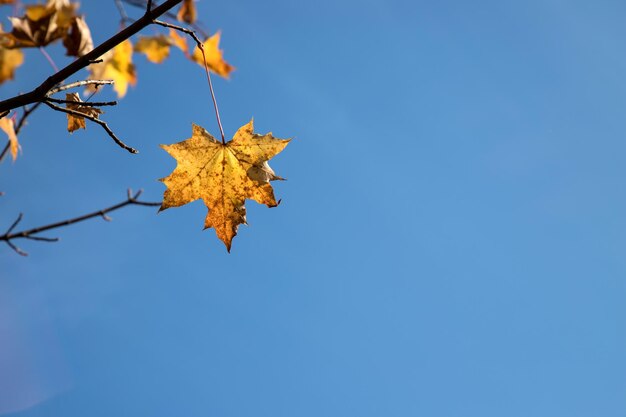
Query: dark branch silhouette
x=9 y=235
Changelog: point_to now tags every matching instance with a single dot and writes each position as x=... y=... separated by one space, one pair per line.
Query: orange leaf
x=187 y=12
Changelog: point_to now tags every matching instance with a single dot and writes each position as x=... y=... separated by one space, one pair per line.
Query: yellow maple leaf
x=179 y=41
x=6 y=124
x=187 y=12
x=156 y=48
x=75 y=122
x=223 y=176
x=214 y=58
x=116 y=65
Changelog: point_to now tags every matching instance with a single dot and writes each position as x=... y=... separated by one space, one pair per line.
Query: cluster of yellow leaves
x=41 y=25
x=117 y=64
x=157 y=48
x=223 y=176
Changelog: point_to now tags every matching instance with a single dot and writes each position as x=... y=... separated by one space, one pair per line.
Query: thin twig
x=142 y=4
x=179 y=28
x=122 y=11
x=76 y=84
x=131 y=199
x=206 y=68
x=49 y=59
x=83 y=103
x=44 y=88
x=93 y=119
x=27 y=112
x=15 y=223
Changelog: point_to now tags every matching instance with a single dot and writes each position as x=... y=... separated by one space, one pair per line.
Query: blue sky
x=451 y=240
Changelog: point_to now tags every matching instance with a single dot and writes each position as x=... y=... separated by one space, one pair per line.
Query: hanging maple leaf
x=223 y=176
x=116 y=65
x=76 y=122
x=187 y=12
x=156 y=48
x=6 y=124
x=214 y=59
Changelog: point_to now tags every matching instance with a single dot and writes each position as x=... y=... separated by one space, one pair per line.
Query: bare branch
x=78 y=84
x=180 y=29
x=93 y=119
x=169 y=15
x=83 y=103
x=28 y=234
x=15 y=223
x=16 y=249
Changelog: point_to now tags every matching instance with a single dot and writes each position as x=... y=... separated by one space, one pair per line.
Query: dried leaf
x=214 y=59
x=10 y=59
x=187 y=12
x=7 y=1
x=116 y=65
x=77 y=122
x=78 y=40
x=41 y=24
x=179 y=41
x=6 y=124
x=156 y=48
x=223 y=176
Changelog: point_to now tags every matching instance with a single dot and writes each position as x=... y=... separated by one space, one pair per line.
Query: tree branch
x=39 y=93
x=102 y=123
x=28 y=234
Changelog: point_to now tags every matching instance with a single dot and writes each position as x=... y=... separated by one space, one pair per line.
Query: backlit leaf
x=223 y=176
x=6 y=124
x=187 y=12
x=156 y=48
x=214 y=58
x=117 y=65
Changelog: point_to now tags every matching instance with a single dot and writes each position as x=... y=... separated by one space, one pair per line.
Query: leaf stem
x=217 y=110
x=49 y=59
x=206 y=68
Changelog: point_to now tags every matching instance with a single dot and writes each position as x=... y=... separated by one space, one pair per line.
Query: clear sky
x=451 y=241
